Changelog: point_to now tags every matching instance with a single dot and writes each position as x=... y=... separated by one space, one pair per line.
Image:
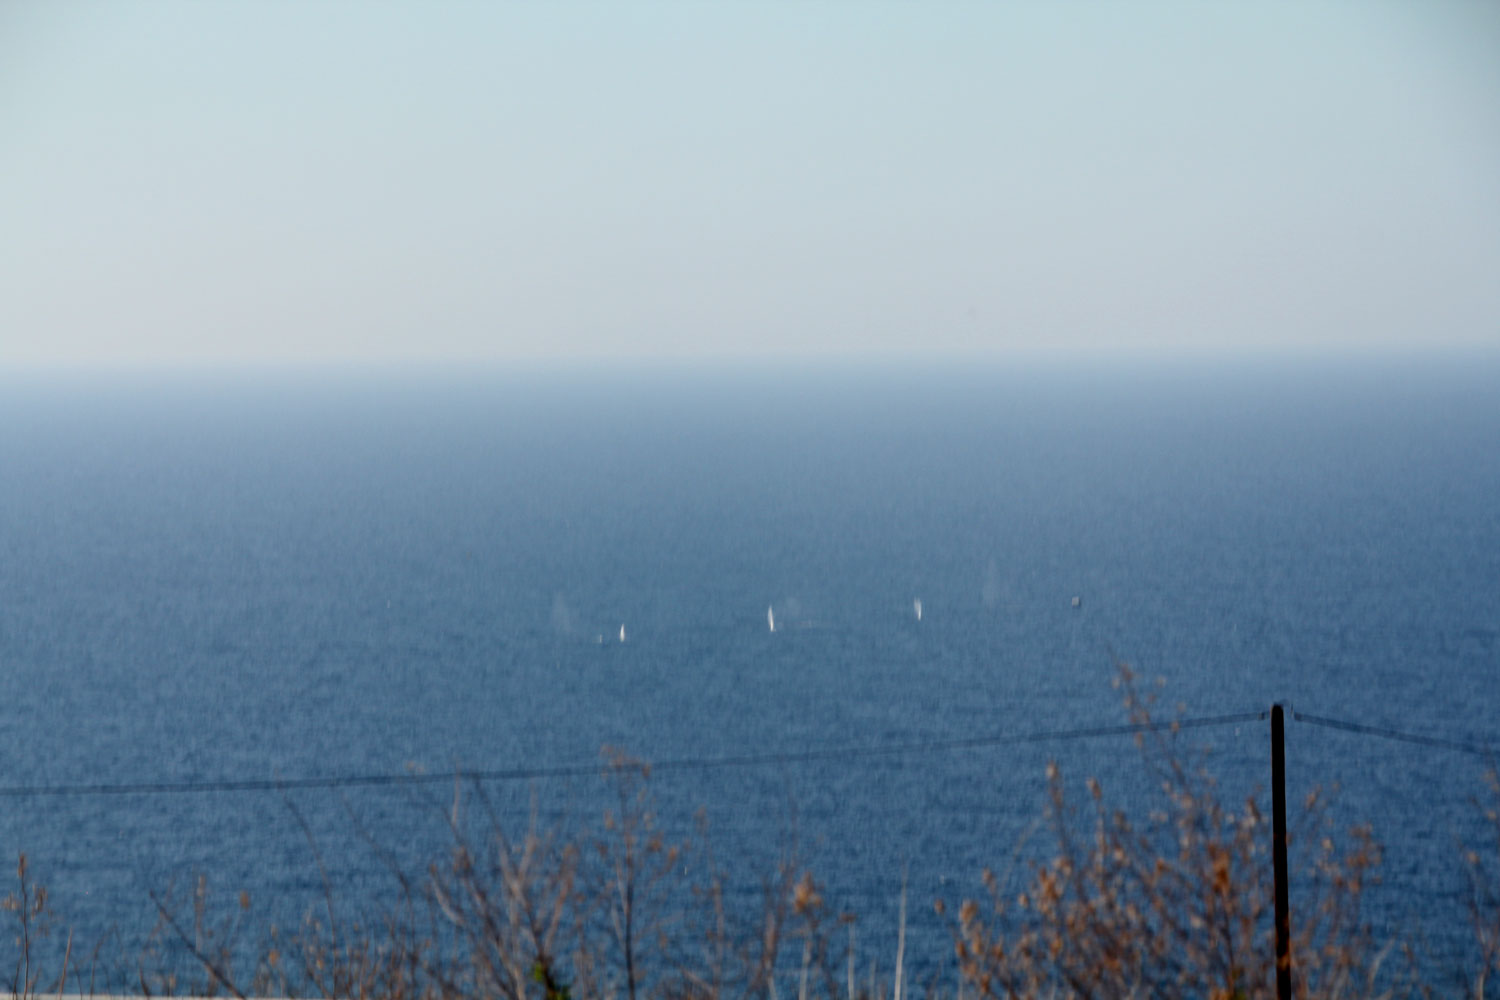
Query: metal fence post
x=1278 y=820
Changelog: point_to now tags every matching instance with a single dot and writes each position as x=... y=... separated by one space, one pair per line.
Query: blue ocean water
x=211 y=576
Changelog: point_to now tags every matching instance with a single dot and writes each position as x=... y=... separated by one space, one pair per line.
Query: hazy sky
x=185 y=182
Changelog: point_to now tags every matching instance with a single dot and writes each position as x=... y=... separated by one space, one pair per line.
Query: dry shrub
x=33 y=916
x=1482 y=865
x=208 y=944
x=617 y=913
x=392 y=957
x=1181 y=906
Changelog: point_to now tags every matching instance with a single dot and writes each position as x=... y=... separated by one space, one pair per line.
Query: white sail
x=770 y=618
x=917 y=607
x=622 y=633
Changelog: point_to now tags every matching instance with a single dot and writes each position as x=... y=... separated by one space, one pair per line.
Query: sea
x=217 y=586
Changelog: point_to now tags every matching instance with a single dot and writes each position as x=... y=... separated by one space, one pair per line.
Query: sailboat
x=622 y=633
x=770 y=618
x=916 y=606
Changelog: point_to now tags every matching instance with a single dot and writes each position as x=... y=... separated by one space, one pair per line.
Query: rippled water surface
x=291 y=576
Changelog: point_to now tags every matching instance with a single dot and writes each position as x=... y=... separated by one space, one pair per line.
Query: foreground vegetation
x=1174 y=904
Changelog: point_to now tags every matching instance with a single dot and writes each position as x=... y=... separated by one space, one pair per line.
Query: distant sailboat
x=917 y=607
x=770 y=618
x=622 y=633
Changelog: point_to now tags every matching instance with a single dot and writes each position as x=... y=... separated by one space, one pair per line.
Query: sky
x=279 y=182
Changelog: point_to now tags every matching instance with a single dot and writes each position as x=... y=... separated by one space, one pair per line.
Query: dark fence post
x=1278 y=821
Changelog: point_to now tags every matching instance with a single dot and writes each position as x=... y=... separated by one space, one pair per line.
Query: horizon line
x=1049 y=357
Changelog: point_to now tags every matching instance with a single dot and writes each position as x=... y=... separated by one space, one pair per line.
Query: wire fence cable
x=1477 y=749
x=587 y=770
